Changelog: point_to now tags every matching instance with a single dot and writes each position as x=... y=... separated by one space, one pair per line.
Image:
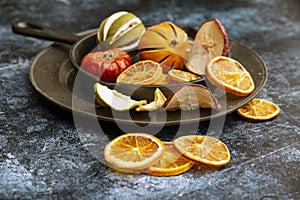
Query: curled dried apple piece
x=213 y=38
x=197 y=59
x=190 y=97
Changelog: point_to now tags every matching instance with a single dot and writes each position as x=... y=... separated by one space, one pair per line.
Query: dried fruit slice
x=230 y=75
x=133 y=151
x=182 y=76
x=117 y=101
x=159 y=100
x=145 y=72
x=166 y=44
x=259 y=109
x=190 y=97
x=204 y=149
x=197 y=59
x=171 y=163
x=213 y=38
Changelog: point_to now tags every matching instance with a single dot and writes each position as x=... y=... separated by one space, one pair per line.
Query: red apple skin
x=226 y=49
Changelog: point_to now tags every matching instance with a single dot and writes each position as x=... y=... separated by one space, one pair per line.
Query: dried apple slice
x=197 y=59
x=213 y=38
x=190 y=97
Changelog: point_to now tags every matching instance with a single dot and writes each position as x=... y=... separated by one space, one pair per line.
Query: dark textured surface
x=42 y=156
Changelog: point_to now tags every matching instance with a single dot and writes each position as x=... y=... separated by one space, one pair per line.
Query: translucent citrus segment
x=133 y=151
x=230 y=75
x=171 y=163
x=143 y=72
x=204 y=149
x=182 y=76
x=259 y=109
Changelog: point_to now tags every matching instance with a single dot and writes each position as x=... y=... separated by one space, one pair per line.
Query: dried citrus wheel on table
x=145 y=72
x=259 y=109
x=182 y=76
x=204 y=149
x=133 y=151
x=229 y=75
x=171 y=163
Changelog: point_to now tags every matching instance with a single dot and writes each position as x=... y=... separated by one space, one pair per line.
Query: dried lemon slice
x=229 y=75
x=133 y=151
x=145 y=72
x=182 y=76
x=204 y=149
x=171 y=163
x=259 y=109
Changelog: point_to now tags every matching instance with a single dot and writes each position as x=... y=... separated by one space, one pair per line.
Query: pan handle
x=42 y=32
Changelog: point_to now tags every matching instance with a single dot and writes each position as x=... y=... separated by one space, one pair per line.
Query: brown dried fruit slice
x=259 y=109
x=204 y=149
x=197 y=59
x=171 y=163
x=190 y=97
x=213 y=38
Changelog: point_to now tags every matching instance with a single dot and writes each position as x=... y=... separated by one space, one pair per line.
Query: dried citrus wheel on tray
x=259 y=109
x=229 y=75
x=145 y=72
x=133 y=151
x=171 y=163
x=182 y=76
x=204 y=149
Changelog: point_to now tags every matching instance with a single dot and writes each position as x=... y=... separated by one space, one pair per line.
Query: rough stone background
x=42 y=157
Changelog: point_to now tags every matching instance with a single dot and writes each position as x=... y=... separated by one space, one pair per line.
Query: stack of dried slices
x=145 y=153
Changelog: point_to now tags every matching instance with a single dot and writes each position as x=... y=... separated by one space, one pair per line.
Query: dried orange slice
x=229 y=75
x=182 y=76
x=259 y=109
x=171 y=163
x=133 y=151
x=204 y=149
x=145 y=72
